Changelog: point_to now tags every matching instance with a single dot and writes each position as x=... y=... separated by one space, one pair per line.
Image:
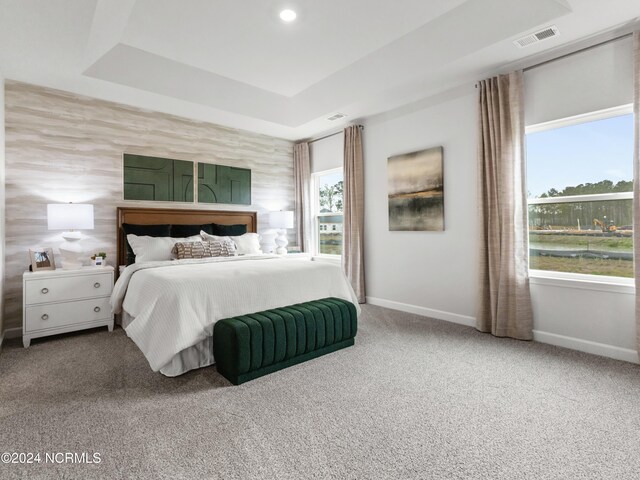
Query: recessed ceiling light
x=288 y=15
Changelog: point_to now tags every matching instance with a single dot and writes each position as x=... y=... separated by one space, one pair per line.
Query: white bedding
x=174 y=304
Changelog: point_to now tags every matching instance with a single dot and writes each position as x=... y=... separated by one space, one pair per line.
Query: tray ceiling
x=236 y=63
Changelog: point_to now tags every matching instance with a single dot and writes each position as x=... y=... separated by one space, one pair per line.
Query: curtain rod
x=330 y=135
x=576 y=52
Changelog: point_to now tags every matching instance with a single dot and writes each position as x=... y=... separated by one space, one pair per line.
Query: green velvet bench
x=250 y=346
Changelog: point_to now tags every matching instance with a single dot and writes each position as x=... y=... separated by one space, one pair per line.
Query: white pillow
x=149 y=249
x=246 y=244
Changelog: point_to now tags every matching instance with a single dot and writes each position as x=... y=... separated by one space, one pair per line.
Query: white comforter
x=175 y=303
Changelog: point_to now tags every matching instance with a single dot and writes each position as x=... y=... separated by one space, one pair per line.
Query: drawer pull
x=45 y=316
x=96 y=285
x=45 y=290
x=96 y=309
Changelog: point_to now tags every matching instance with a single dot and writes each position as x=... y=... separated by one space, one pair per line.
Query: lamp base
x=71 y=265
x=282 y=242
x=71 y=251
x=267 y=241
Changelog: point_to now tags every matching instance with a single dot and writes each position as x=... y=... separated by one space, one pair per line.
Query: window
x=580 y=194
x=327 y=193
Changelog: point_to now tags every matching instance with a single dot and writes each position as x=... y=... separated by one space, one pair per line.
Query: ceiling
x=236 y=63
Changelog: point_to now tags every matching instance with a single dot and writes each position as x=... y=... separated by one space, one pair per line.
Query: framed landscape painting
x=416 y=191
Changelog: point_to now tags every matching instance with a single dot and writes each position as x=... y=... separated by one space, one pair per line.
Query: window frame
x=315 y=213
x=550 y=277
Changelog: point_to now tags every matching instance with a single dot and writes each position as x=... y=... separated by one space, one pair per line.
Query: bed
x=169 y=308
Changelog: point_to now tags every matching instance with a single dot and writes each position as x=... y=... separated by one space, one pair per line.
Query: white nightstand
x=59 y=301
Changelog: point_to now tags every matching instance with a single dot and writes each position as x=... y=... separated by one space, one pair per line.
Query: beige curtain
x=353 y=227
x=636 y=177
x=505 y=302
x=302 y=185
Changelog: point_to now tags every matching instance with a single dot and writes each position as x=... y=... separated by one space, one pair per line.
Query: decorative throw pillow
x=221 y=248
x=149 y=249
x=246 y=244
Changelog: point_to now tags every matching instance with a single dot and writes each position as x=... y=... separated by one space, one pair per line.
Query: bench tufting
x=250 y=346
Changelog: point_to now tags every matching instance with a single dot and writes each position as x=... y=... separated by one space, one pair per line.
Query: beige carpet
x=415 y=398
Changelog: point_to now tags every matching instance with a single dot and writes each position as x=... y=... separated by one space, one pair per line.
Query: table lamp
x=70 y=217
x=281 y=220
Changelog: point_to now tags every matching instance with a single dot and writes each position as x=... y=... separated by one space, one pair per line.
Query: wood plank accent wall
x=63 y=147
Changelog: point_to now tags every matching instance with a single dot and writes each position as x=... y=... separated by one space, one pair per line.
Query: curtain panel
x=302 y=187
x=353 y=209
x=504 y=308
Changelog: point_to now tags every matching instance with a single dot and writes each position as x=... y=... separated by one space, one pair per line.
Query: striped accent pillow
x=218 y=248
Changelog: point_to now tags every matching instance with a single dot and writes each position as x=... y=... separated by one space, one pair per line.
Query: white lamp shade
x=281 y=219
x=70 y=216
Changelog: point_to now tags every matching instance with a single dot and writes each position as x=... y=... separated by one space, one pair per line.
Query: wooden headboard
x=178 y=216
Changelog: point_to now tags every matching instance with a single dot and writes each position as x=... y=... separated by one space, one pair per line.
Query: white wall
x=595 y=318
x=435 y=274
x=432 y=273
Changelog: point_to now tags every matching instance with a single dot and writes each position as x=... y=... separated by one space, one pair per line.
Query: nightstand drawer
x=67 y=288
x=39 y=317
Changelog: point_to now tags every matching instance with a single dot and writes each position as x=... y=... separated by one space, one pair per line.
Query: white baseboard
x=423 y=311
x=595 y=348
x=572 y=343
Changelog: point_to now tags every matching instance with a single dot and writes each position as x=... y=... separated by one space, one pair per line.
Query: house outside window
x=327 y=189
x=580 y=194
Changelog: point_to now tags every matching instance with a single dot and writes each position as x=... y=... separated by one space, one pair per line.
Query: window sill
x=582 y=281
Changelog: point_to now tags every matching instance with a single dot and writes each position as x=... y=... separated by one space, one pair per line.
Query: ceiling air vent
x=536 y=37
x=336 y=116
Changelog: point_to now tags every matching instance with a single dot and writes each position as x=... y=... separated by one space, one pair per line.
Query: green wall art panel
x=157 y=179
x=222 y=184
